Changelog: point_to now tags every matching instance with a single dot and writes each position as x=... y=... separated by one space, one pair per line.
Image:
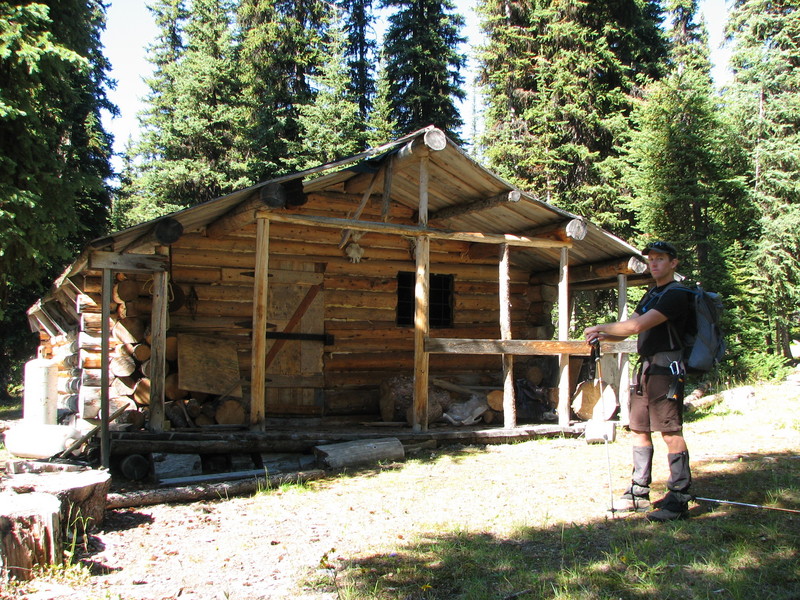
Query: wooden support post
x=563 y=334
x=258 y=365
x=509 y=402
x=158 y=349
x=624 y=364
x=421 y=305
x=105 y=360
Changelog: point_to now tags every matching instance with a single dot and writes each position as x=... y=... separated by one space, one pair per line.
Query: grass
x=722 y=552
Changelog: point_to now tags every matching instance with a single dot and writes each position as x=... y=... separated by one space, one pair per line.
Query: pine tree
x=360 y=52
x=54 y=153
x=380 y=126
x=763 y=101
x=331 y=126
x=559 y=79
x=424 y=65
x=188 y=151
x=282 y=46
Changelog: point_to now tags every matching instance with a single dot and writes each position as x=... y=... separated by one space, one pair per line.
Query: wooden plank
x=129 y=263
x=258 y=367
x=416 y=231
x=209 y=365
x=522 y=347
x=158 y=350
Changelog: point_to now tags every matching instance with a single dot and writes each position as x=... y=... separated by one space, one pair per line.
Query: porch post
x=563 y=334
x=258 y=367
x=624 y=362
x=105 y=335
x=158 y=346
x=421 y=304
x=509 y=404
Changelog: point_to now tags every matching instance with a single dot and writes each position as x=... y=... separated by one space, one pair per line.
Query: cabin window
x=440 y=313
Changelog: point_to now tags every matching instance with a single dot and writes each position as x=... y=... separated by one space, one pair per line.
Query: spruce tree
x=189 y=152
x=54 y=153
x=763 y=106
x=282 y=46
x=424 y=65
x=360 y=52
x=331 y=126
x=381 y=128
x=560 y=78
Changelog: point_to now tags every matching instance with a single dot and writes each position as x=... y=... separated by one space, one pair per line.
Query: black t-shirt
x=673 y=302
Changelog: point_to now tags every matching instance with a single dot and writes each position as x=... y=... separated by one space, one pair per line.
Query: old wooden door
x=294 y=366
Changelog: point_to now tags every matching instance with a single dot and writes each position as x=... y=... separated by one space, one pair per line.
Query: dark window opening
x=440 y=313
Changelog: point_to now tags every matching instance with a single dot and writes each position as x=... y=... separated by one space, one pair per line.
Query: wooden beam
x=433 y=140
x=412 y=230
x=563 y=334
x=158 y=350
x=509 y=401
x=258 y=368
x=522 y=347
x=627 y=265
x=129 y=263
x=421 y=331
x=105 y=361
x=475 y=206
x=573 y=229
x=623 y=361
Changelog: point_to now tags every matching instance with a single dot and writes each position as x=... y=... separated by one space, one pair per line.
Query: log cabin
x=306 y=296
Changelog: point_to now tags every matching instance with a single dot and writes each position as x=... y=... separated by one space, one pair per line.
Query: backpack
x=703 y=342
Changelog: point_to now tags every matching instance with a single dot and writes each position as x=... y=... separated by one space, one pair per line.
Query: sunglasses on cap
x=661 y=247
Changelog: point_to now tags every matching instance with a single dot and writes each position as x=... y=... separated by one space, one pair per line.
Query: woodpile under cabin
x=391 y=288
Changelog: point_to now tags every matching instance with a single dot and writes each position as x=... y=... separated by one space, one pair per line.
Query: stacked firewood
x=130 y=363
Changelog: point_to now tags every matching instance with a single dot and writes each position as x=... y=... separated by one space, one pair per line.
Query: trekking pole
x=599 y=372
x=789 y=510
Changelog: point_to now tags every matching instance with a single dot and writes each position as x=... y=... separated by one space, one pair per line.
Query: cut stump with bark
x=30 y=533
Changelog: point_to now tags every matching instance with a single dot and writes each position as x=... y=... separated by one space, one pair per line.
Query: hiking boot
x=628 y=502
x=673 y=506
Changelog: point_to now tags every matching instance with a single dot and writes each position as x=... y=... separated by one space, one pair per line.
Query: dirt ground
x=273 y=544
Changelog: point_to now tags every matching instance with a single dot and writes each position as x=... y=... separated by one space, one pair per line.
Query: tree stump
x=30 y=533
x=81 y=494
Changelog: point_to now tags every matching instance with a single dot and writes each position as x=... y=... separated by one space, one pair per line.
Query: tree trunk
x=30 y=533
x=359 y=452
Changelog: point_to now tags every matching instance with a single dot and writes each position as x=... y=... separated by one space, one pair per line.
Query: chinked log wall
x=360 y=300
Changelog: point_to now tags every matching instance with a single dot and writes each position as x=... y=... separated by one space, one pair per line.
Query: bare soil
x=281 y=543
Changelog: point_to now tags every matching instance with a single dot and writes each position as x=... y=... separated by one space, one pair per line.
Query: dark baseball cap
x=664 y=247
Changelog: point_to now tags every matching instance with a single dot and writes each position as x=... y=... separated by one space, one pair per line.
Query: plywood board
x=210 y=365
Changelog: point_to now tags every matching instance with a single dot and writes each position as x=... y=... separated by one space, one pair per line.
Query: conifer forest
x=606 y=109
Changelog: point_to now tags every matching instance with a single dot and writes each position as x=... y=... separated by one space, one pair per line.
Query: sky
x=130 y=29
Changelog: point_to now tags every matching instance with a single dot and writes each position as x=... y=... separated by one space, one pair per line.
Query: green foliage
x=282 y=46
x=420 y=49
x=559 y=79
x=331 y=126
x=360 y=52
x=763 y=107
x=53 y=153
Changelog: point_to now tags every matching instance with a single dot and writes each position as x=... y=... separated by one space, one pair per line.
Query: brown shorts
x=652 y=410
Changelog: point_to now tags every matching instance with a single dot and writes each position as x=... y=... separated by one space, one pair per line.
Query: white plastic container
x=40 y=398
x=39 y=440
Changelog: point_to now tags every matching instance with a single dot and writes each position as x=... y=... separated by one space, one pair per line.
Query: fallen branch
x=210 y=491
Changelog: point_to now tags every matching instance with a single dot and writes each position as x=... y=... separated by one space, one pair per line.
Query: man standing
x=657 y=405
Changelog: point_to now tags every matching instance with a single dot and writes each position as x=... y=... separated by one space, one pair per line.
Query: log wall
x=212 y=280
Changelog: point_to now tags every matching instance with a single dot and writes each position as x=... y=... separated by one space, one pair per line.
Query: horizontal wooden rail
x=483 y=346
